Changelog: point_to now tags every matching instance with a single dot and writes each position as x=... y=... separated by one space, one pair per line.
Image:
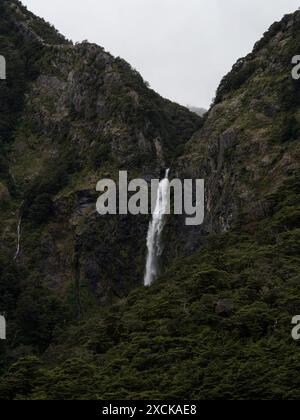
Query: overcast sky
x=181 y=47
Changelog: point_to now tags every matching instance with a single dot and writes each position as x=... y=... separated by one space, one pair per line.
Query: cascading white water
x=156 y=226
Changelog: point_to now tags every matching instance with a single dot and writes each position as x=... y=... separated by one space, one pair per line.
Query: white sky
x=181 y=47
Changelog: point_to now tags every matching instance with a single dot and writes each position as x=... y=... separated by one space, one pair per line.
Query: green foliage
x=239 y=75
x=39 y=312
x=41 y=209
x=22 y=67
x=102 y=152
x=22 y=375
x=289 y=95
x=38 y=203
x=290 y=129
x=273 y=30
x=216 y=325
x=10 y=285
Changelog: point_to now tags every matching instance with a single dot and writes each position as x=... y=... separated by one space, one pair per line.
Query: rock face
x=83 y=115
x=248 y=146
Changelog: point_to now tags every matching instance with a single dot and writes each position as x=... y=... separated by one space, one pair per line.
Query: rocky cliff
x=248 y=146
x=81 y=115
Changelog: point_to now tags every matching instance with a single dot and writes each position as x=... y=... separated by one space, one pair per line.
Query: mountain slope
x=73 y=115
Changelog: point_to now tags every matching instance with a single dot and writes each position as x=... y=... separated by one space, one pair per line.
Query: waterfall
x=156 y=226
x=19 y=234
x=18 y=238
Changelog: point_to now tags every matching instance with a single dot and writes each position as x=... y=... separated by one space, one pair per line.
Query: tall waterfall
x=156 y=226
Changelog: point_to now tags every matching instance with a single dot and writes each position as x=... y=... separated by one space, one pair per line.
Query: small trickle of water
x=19 y=233
x=18 y=238
x=156 y=226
